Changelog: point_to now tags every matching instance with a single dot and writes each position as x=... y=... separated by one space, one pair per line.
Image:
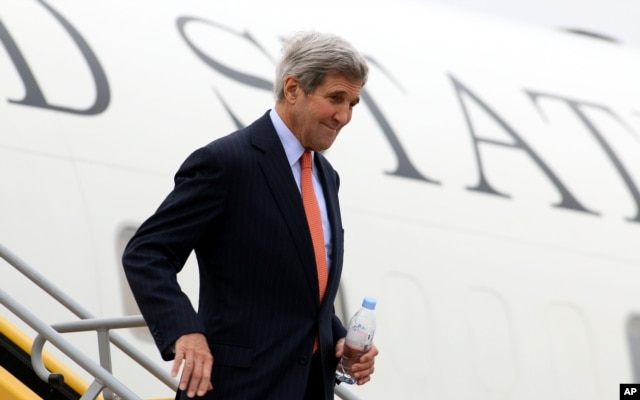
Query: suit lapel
x=277 y=173
x=329 y=187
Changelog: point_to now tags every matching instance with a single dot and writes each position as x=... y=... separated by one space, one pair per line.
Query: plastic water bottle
x=362 y=327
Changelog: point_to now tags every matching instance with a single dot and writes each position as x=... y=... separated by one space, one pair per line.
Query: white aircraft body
x=489 y=178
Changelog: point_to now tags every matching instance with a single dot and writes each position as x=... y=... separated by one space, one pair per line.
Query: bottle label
x=359 y=337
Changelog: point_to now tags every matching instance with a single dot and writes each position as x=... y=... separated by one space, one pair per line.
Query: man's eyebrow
x=345 y=94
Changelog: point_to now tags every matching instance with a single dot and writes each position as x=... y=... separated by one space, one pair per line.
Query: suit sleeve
x=162 y=244
x=339 y=331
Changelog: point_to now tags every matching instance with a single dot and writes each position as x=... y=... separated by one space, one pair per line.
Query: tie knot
x=305 y=160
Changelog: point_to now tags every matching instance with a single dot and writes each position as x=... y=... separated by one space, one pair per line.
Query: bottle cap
x=369 y=303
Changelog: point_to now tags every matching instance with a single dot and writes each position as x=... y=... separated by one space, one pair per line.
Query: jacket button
x=303 y=360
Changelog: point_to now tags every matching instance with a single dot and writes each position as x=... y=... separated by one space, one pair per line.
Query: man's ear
x=292 y=88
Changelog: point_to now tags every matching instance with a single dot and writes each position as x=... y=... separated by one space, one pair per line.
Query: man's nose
x=343 y=114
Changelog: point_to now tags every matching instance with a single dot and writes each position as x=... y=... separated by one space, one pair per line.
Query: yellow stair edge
x=12 y=388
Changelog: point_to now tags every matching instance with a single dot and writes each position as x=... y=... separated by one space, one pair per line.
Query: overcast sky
x=618 y=19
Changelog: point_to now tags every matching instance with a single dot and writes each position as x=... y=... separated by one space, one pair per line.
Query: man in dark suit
x=265 y=326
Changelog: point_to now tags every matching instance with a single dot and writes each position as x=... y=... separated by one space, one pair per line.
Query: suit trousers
x=315 y=387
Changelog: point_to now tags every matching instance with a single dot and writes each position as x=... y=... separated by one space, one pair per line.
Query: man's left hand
x=365 y=366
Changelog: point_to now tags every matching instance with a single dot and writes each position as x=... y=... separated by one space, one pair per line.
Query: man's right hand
x=193 y=349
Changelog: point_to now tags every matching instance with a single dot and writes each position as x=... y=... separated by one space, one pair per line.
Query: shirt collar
x=292 y=146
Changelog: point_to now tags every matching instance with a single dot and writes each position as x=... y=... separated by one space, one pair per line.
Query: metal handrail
x=101 y=325
x=344 y=394
x=84 y=314
x=104 y=379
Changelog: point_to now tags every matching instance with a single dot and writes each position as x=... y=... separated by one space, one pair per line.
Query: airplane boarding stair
x=19 y=381
x=29 y=373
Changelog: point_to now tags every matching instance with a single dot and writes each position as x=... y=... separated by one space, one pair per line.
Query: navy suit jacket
x=236 y=204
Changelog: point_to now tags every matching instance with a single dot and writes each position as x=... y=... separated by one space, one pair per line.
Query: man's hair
x=310 y=56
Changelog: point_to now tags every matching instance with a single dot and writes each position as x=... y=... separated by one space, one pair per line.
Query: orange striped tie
x=315 y=221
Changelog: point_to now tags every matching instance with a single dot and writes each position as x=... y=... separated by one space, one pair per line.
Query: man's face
x=319 y=116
